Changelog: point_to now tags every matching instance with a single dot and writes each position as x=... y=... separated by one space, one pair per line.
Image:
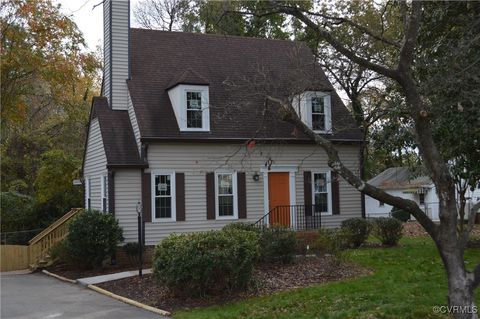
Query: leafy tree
x=219 y=17
x=54 y=189
x=404 y=59
x=48 y=78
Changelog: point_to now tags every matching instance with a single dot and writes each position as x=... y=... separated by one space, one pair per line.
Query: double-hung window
x=194 y=109
x=318 y=113
x=163 y=196
x=321 y=193
x=226 y=195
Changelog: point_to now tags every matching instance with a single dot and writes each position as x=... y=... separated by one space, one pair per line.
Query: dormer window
x=314 y=108
x=318 y=114
x=191 y=107
x=194 y=109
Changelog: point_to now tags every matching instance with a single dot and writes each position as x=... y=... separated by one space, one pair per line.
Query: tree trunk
x=461 y=299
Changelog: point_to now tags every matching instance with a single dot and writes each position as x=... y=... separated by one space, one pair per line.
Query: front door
x=279 y=196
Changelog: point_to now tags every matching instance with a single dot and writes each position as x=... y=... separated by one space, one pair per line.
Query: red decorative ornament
x=251 y=144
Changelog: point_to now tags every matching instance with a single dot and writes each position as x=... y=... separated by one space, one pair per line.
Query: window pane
x=225 y=184
x=320 y=181
x=321 y=202
x=318 y=122
x=194 y=100
x=225 y=205
x=317 y=105
x=162 y=185
x=163 y=207
x=194 y=119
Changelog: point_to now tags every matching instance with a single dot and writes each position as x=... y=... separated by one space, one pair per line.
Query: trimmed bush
x=400 y=214
x=92 y=237
x=204 y=263
x=332 y=241
x=241 y=226
x=356 y=231
x=277 y=244
x=387 y=230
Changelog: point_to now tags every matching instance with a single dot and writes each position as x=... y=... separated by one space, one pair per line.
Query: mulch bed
x=414 y=229
x=268 y=279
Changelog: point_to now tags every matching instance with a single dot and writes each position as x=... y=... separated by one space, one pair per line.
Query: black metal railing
x=295 y=217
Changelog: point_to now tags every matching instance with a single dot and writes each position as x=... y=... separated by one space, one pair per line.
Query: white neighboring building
x=398 y=181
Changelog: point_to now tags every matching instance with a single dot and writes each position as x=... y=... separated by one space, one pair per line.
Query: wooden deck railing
x=40 y=245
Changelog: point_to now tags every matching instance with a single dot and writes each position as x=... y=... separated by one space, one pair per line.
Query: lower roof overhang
x=240 y=140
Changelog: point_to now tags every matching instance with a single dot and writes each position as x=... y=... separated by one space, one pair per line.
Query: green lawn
x=408 y=281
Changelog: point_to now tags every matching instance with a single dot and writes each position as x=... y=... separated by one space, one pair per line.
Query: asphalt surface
x=39 y=296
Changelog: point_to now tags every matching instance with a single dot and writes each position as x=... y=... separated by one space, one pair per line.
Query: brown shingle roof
x=187 y=76
x=233 y=67
x=117 y=134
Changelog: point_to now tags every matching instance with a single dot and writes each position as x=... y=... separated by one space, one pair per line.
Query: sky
x=88 y=20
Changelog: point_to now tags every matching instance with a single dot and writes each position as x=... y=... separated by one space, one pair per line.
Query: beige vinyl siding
x=128 y=192
x=133 y=121
x=195 y=160
x=117 y=45
x=106 y=49
x=95 y=165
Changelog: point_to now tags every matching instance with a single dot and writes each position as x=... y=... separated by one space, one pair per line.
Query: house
x=170 y=132
x=401 y=182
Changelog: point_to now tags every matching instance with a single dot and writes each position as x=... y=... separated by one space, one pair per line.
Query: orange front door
x=279 y=196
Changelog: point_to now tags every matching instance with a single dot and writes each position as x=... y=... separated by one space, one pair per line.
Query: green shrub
x=356 y=230
x=332 y=241
x=132 y=250
x=92 y=237
x=59 y=254
x=400 y=214
x=241 y=226
x=387 y=230
x=277 y=244
x=206 y=263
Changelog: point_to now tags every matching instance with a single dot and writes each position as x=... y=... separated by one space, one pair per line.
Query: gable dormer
x=315 y=110
x=189 y=95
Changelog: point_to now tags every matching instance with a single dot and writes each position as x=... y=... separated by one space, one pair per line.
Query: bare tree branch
x=336 y=164
x=335 y=43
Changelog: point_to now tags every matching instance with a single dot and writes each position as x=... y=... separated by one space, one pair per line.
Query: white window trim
x=178 y=99
x=235 y=196
x=205 y=109
x=303 y=105
x=329 y=190
x=173 y=195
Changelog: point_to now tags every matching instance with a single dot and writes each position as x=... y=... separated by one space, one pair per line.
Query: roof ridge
x=218 y=35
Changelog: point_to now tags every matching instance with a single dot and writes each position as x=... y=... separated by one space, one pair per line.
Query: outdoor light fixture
x=256 y=177
x=268 y=163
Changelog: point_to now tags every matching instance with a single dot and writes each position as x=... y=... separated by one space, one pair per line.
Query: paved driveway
x=39 y=296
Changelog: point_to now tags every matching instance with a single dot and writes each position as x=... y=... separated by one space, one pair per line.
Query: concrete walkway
x=39 y=296
x=104 y=278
